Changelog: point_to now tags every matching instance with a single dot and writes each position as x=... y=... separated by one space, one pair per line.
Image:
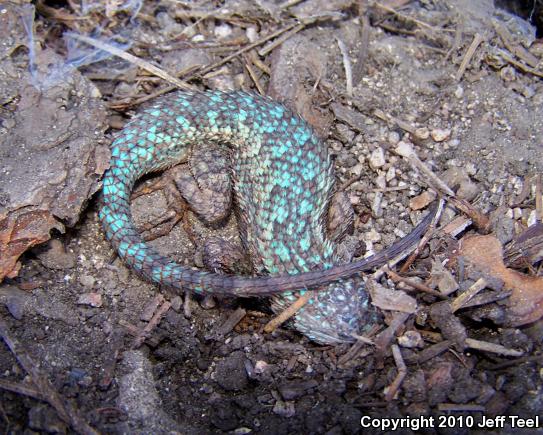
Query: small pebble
x=176 y=302
x=422 y=133
x=223 y=31
x=377 y=158
x=439 y=134
x=532 y=218
x=393 y=137
x=358 y=169
x=411 y=339
x=252 y=34
x=380 y=181
x=467 y=190
x=87 y=281
x=284 y=409
x=92 y=299
x=422 y=200
x=372 y=236
x=459 y=92
x=391 y=174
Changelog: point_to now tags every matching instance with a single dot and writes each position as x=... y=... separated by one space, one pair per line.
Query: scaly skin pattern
x=283 y=180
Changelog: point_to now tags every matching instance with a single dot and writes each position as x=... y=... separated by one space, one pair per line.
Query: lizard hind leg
x=207 y=187
x=340 y=225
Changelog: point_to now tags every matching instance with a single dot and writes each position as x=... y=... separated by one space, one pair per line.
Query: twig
x=25 y=390
x=248 y=66
x=64 y=410
x=286 y=314
x=517 y=49
x=347 y=66
x=363 y=52
x=234 y=318
x=460 y=301
x=539 y=198
x=406 y=150
x=456 y=226
x=491 y=347
x=385 y=337
x=523 y=67
x=455 y=407
x=408 y=18
x=268 y=48
x=418 y=286
x=133 y=59
x=289 y=3
x=477 y=39
x=479 y=219
x=212 y=66
x=402 y=372
x=424 y=239
x=155 y=320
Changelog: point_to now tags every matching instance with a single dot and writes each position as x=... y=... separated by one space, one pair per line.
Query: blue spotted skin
x=283 y=180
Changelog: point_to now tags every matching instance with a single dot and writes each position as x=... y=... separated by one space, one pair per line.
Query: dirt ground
x=89 y=346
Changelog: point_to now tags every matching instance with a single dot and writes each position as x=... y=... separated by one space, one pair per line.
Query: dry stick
x=416 y=285
x=133 y=59
x=270 y=47
x=468 y=295
x=347 y=66
x=458 y=33
x=539 y=198
x=363 y=52
x=289 y=3
x=477 y=39
x=286 y=314
x=25 y=390
x=64 y=410
x=479 y=219
x=406 y=150
x=517 y=49
x=424 y=239
x=248 y=66
x=389 y=118
x=144 y=333
x=408 y=18
x=255 y=60
x=454 y=407
x=523 y=67
x=230 y=323
x=402 y=372
x=211 y=67
x=492 y=347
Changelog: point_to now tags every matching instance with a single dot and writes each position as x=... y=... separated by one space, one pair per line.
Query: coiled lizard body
x=283 y=179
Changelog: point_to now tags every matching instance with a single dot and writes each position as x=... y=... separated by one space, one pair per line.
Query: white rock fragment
x=92 y=299
x=252 y=34
x=391 y=174
x=372 y=236
x=380 y=181
x=459 y=92
x=532 y=218
x=223 y=31
x=422 y=200
x=422 y=133
x=377 y=158
x=439 y=134
x=393 y=137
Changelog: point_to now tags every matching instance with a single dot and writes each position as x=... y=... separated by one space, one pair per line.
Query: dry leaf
x=19 y=232
x=394 y=300
x=526 y=302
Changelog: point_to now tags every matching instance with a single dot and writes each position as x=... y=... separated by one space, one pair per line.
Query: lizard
x=283 y=182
